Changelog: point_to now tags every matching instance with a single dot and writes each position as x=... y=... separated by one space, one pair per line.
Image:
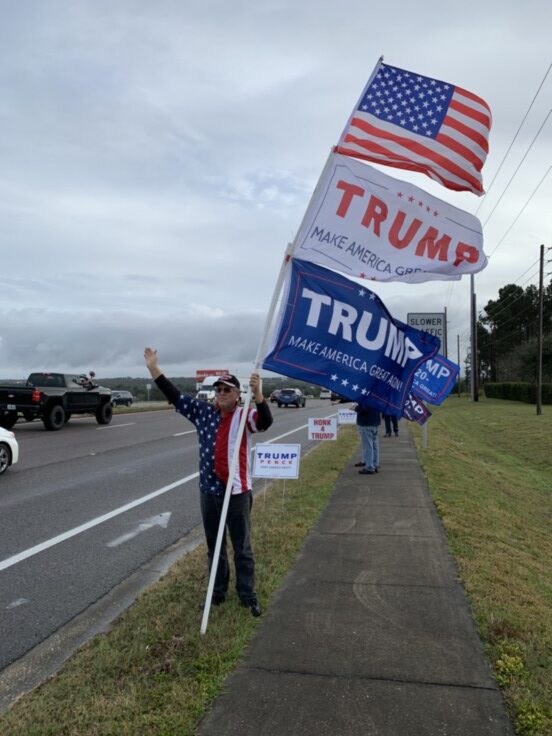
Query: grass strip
x=153 y=673
x=489 y=470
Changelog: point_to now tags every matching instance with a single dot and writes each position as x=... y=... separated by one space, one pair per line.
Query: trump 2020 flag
x=338 y=334
x=435 y=379
x=365 y=223
x=421 y=124
x=416 y=411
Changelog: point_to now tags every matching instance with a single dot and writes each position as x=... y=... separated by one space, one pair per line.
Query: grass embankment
x=153 y=673
x=489 y=468
x=142 y=406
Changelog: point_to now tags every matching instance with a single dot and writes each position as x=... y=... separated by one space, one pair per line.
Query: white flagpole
x=233 y=466
x=368 y=83
x=235 y=456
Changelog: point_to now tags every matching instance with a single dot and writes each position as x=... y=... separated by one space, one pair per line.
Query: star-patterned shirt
x=216 y=437
x=206 y=420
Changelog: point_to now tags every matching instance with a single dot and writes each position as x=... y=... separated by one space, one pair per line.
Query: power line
x=520 y=277
x=513 y=301
x=518 y=167
x=520 y=212
x=514 y=138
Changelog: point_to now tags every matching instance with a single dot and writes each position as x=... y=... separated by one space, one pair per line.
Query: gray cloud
x=156 y=159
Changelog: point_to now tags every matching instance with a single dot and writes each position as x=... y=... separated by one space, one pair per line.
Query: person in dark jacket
x=368 y=421
x=217 y=425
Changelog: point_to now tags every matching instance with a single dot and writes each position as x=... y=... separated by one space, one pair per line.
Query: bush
x=518 y=391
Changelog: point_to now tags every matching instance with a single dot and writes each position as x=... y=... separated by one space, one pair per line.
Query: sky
x=156 y=158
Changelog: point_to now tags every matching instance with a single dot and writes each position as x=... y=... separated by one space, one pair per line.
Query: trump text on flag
x=338 y=334
x=416 y=411
x=367 y=224
x=435 y=379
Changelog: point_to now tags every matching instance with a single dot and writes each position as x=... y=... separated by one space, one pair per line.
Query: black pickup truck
x=54 y=397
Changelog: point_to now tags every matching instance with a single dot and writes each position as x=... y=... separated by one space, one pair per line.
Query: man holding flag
x=217 y=427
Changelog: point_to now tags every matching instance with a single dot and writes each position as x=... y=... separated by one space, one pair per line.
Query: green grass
x=489 y=469
x=151 y=406
x=153 y=673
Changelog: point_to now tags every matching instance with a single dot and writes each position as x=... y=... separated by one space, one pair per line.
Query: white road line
x=116 y=426
x=25 y=554
x=181 y=434
x=8 y=562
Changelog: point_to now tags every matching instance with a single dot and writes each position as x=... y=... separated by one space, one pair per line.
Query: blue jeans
x=370 y=446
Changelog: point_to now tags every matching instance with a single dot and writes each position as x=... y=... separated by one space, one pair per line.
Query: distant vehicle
x=9 y=450
x=54 y=398
x=207 y=390
x=273 y=398
x=121 y=398
x=325 y=394
x=291 y=397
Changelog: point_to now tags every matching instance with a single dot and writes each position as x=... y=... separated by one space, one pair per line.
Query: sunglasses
x=223 y=389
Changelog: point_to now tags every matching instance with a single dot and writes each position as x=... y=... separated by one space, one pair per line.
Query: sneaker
x=388 y=434
x=253 y=606
x=359 y=465
x=367 y=471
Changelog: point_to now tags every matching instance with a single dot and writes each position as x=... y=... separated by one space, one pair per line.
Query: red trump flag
x=421 y=124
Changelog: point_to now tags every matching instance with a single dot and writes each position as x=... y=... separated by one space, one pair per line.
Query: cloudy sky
x=157 y=157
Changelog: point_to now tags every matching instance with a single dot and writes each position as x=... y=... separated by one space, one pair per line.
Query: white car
x=9 y=450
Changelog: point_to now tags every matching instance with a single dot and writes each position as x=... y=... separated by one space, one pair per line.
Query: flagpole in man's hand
x=241 y=428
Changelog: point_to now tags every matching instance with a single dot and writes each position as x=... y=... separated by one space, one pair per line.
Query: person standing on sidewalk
x=217 y=427
x=368 y=421
x=391 y=421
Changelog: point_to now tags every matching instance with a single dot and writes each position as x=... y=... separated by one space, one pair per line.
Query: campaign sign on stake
x=323 y=429
x=276 y=461
x=346 y=416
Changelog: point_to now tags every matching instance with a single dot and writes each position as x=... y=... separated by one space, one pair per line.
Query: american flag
x=421 y=124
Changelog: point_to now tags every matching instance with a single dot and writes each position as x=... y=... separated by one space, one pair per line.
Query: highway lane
x=89 y=505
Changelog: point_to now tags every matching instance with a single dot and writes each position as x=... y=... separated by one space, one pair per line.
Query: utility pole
x=474 y=361
x=460 y=369
x=445 y=351
x=540 y=340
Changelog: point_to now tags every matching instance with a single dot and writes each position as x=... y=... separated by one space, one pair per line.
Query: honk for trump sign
x=324 y=428
x=370 y=225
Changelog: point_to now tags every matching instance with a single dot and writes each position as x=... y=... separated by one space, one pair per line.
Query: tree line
x=507 y=335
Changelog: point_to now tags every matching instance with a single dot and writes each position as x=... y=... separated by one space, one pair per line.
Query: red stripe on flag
x=389 y=158
x=470 y=113
x=461 y=150
x=419 y=149
x=474 y=98
x=470 y=133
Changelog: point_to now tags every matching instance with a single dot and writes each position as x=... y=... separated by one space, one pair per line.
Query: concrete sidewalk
x=370 y=632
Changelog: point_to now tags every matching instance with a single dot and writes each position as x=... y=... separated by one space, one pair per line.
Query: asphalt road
x=87 y=506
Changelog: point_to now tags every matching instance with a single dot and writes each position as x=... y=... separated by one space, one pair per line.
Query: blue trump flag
x=336 y=333
x=416 y=411
x=434 y=380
